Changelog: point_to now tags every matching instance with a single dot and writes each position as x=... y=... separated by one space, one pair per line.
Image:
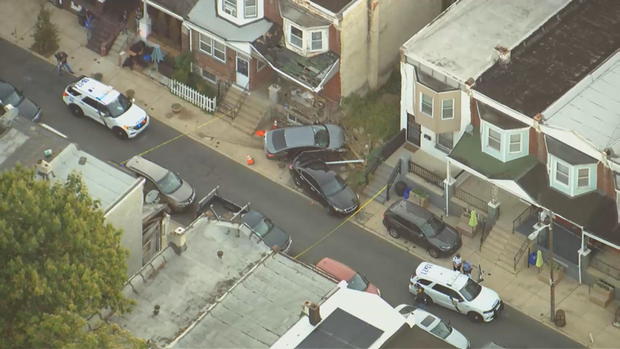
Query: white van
x=107 y=106
x=456 y=291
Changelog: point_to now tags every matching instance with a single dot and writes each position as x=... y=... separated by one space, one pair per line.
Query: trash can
x=560 y=318
x=400 y=187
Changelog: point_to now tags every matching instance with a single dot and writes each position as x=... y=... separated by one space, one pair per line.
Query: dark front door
x=413 y=130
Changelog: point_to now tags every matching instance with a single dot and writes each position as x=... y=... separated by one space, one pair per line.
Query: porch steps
x=501 y=246
x=120 y=44
x=252 y=112
x=377 y=181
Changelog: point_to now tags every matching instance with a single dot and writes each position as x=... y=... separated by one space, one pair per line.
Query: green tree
x=60 y=262
x=45 y=34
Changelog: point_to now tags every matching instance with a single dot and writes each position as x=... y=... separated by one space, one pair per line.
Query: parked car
x=270 y=234
x=456 y=291
x=177 y=193
x=322 y=184
x=340 y=271
x=433 y=325
x=415 y=223
x=11 y=95
x=290 y=141
x=102 y=103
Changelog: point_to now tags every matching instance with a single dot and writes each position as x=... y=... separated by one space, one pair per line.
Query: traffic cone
x=249 y=160
x=260 y=133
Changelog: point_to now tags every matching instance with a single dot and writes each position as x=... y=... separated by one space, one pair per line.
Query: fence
x=393 y=175
x=471 y=199
x=189 y=94
x=379 y=155
x=522 y=217
x=426 y=174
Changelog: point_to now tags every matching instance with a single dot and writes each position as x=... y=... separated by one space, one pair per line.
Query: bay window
x=250 y=9
x=305 y=41
x=571 y=179
x=561 y=173
x=426 y=104
x=317 y=41
x=515 y=143
x=494 y=140
x=230 y=7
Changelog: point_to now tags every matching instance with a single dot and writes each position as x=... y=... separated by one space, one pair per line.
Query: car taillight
x=65 y=94
x=269 y=155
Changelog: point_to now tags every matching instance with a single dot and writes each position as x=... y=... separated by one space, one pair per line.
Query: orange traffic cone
x=260 y=133
x=249 y=160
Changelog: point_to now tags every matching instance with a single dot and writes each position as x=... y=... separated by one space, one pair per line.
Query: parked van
x=456 y=291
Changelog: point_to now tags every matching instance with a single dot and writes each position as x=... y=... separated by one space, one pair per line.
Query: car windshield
x=170 y=183
x=321 y=136
x=432 y=227
x=119 y=106
x=358 y=282
x=471 y=290
x=333 y=186
x=263 y=227
x=442 y=330
x=406 y=310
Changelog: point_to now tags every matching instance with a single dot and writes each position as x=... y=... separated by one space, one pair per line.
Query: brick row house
x=526 y=103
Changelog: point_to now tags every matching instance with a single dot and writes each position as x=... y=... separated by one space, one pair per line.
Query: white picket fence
x=189 y=94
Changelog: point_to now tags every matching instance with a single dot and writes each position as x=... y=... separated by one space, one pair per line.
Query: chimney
x=44 y=169
x=314 y=314
x=178 y=240
x=503 y=54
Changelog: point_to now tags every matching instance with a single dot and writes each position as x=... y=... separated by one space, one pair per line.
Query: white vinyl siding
x=447 y=109
x=426 y=104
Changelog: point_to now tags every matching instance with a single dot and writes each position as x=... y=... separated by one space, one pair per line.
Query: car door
x=91 y=109
x=398 y=223
x=415 y=233
x=313 y=188
x=442 y=296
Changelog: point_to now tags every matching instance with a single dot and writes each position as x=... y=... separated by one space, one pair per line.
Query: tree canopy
x=61 y=263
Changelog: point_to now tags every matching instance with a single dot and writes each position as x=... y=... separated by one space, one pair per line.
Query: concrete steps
x=120 y=44
x=500 y=248
x=377 y=181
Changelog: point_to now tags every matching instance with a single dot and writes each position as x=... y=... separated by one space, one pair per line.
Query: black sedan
x=322 y=184
x=10 y=95
x=269 y=233
x=415 y=223
x=290 y=141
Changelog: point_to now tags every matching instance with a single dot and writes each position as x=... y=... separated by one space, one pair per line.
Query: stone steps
x=500 y=248
x=378 y=180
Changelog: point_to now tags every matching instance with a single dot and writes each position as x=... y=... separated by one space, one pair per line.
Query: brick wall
x=259 y=78
x=605 y=180
x=331 y=90
x=223 y=71
x=473 y=109
x=272 y=12
x=334 y=40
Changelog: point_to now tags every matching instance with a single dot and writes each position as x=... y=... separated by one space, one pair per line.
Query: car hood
x=344 y=199
x=486 y=300
x=446 y=238
x=457 y=339
x=336 y=137
x=182 y=194
x=133 y=116
x=277 y=237
x=29 y=109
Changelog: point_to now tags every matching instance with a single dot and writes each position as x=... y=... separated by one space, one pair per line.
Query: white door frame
x=242 y=80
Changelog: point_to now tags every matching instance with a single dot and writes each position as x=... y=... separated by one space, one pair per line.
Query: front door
x=243 y=71
x=413 y=130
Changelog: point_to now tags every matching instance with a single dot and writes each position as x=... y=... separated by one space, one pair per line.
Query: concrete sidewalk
x=587 y=323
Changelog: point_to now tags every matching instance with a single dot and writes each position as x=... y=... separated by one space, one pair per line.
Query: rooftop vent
x=82 y=160
x=503 y=54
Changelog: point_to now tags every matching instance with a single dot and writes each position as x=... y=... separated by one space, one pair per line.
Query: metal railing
x=522 y=217
x=471 y=199
x=376 y=157
x=605 y=268
x=426 y=174
x=525 y=246
x=392 y=178
x=484 y=227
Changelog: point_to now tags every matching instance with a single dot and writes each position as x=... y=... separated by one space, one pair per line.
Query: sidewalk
x=586 y=322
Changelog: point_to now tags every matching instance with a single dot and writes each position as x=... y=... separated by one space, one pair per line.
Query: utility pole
x=551 y=267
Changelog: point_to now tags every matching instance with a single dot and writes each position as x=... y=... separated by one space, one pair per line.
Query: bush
x=183 y=68
x=45 y=34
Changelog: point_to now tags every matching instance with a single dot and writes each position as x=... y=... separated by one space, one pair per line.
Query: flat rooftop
x=461 y=41
x=556 y=57
x=334 y=6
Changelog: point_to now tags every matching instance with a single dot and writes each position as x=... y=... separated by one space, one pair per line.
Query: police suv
x=456 y=291
x=104 y=104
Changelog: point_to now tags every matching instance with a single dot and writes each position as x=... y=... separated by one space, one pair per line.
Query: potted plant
x=420 y=197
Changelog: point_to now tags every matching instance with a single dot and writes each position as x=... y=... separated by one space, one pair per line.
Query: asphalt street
x=385 y=265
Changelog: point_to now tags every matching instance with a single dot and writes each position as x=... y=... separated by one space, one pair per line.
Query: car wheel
x=433 y=252
x=120 y=133
x=393 y=233
x=475 y=317
x=76 y=111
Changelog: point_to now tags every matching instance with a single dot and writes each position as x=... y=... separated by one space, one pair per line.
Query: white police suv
x=104 y=104
x=456 y=291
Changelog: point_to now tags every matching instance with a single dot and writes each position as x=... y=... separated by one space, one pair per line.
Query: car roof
x=408 y=208
x=337 y=269
x=442 y=275
x=146 y=167
x=252 y=217
x=96 y=89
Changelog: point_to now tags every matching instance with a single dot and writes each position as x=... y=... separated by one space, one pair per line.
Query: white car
x=433 y=325
x=456 y=291
x=107 y=106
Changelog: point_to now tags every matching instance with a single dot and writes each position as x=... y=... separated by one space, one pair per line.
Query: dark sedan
x=322 y=184
x=290 y=141
x=10 y=95
x=415 y=223
x=269 y=233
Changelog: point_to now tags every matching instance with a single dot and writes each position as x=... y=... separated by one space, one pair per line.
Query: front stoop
x=500 y=247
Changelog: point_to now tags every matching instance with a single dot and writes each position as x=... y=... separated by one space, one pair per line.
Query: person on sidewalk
x=457 y=262
x=467 y=268
x=61 y=59
x=88 y=24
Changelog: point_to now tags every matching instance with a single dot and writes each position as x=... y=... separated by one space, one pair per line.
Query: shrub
x=45 y=34
x=183 y=68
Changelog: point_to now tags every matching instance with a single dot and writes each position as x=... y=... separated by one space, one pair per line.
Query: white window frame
x=499 y=140
x=213 y=47
x=303 y=44
x=203 y=39
x=249 y=4
x=556 y=172
x=291 y=36
x=230 y=7
x=422 y=94
x=202 y=74
x=312 y=40
x=519 y=143
x=222 y=50
x=443 y=109
x=443 y=146
x=579 y=177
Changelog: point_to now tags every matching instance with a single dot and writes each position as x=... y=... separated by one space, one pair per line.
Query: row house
x=522 y=97
x=311 y=53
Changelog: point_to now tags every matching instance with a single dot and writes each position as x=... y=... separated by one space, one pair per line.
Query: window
x=212 y=47
x=297 y=37
x=208 y=76
x=206 y=44
x=561 y=173
x=423 y=282
x=447 y=109
x=427 y=104
x=583 y=177
x=230 y=7
x=442 y=289
x=445 y=141
x=495 y=139
x=219 y=51
x=317 y=41
x=249 y=10
x=515 y=143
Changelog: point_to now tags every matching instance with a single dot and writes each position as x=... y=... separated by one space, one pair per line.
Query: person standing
x=88 y=24
x=457 y=262
x=467 y=267
x=61 y=59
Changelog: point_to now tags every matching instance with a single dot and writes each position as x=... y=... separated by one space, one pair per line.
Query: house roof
x=180 y=7
x=498 y=118
x=301 y=16
x=592 y=107
x=105 y=182
x=556 y=57
x=334 y=6
x=567 y=153
x=204 y=14
x=461 y=41
x=246 y=299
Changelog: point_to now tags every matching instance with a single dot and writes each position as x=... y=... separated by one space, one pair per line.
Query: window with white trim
x=250 y=9
x=296 y=37
x=219 y=51
x=562 y=173
x=230 y=7
x=494 y=140
x=210 y=77
x=317 y=41
x=514 y=143
x=447 y=109
x=583 y=177
x=305 y=41
x=426 y=104
x=445 y=141
x=212 y=47
x=205 y=44
x=571 y=179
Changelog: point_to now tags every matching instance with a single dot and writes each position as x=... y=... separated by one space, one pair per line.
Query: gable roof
x=460 y=42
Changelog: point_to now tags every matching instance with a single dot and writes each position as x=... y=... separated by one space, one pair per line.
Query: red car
x=341 y=272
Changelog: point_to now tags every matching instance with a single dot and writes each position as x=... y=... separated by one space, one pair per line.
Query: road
x=385 y=265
